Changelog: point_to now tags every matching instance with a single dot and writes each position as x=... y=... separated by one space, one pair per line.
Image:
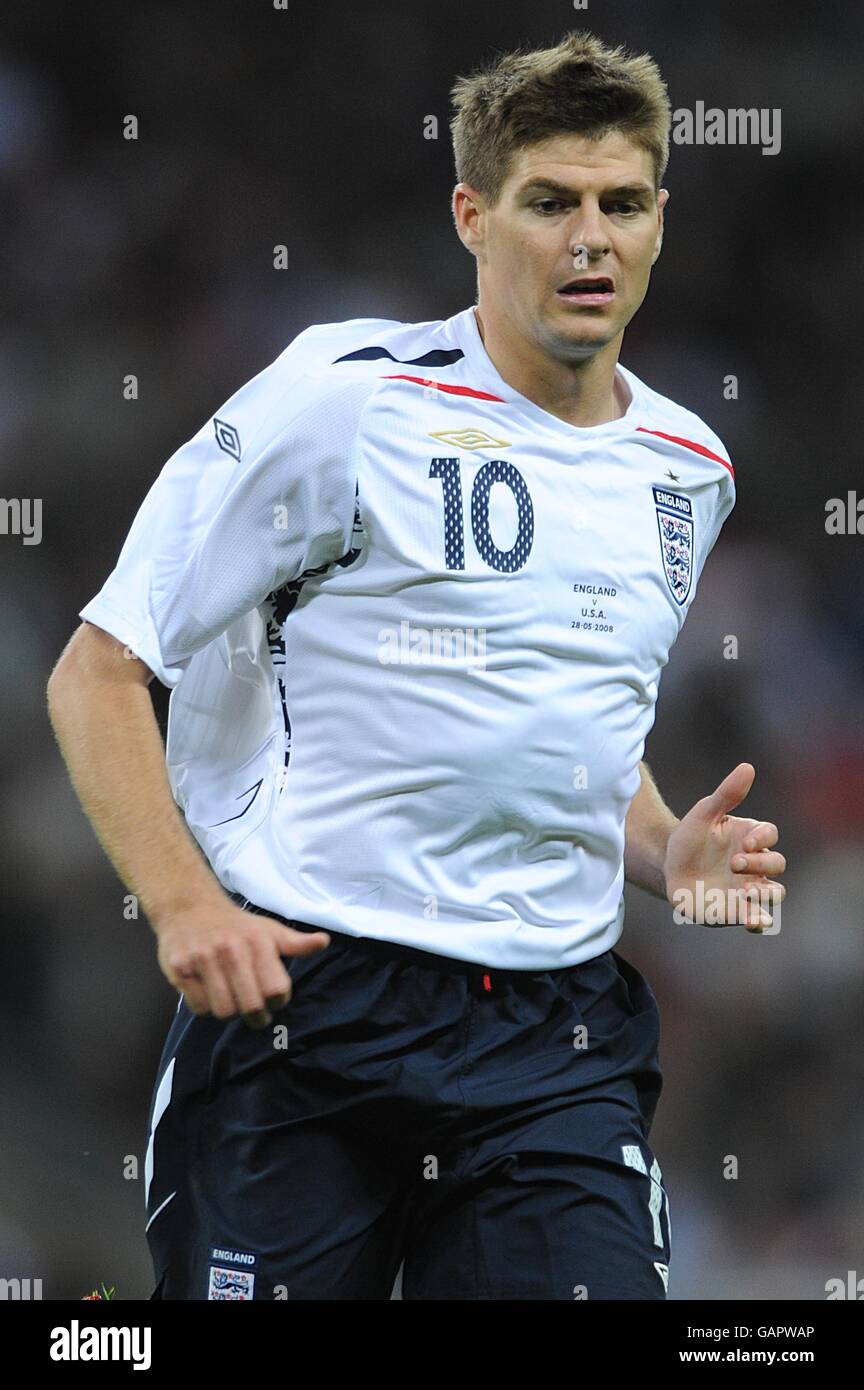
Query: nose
x=589 y=229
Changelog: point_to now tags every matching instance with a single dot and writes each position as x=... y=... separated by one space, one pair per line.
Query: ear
x=662 y=200
x=468 y=207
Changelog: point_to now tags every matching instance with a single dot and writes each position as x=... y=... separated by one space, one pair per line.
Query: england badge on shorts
x=675 y=523
x=230 y=1284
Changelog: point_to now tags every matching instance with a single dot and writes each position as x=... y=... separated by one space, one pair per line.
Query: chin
x=578 y=342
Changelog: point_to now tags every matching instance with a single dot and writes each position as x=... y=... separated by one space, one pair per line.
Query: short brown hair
x=579 y=86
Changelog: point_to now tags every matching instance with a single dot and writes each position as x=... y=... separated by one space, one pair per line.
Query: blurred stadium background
x=155 y=257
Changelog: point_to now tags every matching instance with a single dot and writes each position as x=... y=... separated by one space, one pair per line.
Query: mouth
x=588 y=290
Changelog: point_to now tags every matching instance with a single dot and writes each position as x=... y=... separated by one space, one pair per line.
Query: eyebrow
x=629 y=190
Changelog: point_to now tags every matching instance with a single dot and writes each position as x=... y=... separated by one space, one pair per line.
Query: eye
x=548 y=204
x=627 y=209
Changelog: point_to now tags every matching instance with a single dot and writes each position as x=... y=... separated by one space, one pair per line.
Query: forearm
x=647 y=829
x=113 y=749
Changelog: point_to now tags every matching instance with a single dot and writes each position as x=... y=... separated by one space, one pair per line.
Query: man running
x=412 y=588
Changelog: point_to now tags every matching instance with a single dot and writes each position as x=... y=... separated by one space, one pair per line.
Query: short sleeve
x=723 y=507
x=263 y=491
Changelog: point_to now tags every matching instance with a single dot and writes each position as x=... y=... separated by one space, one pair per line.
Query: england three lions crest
x=230 y=1285
x=675 y=524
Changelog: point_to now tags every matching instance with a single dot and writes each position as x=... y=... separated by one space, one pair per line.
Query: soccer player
x=413 y=588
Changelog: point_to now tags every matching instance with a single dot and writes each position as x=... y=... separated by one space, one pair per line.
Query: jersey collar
x=467 y=334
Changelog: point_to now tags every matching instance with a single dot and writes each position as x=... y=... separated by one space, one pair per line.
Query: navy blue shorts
x=488 y=1128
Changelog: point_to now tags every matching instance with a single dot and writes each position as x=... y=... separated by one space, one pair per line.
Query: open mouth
x=588 y=289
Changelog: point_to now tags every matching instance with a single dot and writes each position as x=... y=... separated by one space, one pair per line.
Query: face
x=562 y=193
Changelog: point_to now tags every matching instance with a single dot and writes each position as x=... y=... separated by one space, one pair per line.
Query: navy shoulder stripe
x=437 y=358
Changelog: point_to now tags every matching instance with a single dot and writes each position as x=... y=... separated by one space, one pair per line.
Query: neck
x=582 y=392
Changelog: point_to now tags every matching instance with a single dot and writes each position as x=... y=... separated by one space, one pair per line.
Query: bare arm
x=715 y=868
x=224 y=960
x=102 y=713
x=647 y=829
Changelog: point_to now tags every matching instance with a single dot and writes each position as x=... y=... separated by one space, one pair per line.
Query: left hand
x=726 y=855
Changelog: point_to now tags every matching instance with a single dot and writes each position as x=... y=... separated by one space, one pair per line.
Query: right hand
x=225 y=961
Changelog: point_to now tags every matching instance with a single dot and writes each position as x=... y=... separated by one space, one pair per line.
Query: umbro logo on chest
x=469 y=439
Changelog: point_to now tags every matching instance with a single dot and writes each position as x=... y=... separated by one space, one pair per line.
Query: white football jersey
x=414 y=627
